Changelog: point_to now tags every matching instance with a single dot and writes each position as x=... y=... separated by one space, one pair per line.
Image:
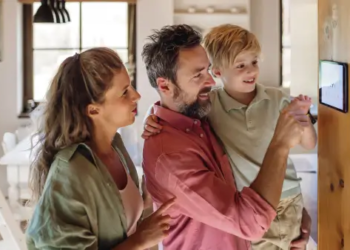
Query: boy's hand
x=151 y=127
x=301 y=103
x=305 y=228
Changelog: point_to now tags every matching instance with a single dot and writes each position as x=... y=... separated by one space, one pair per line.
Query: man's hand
x=300 y=244
x=289 y=129
x=301 y=103
x=151 y=127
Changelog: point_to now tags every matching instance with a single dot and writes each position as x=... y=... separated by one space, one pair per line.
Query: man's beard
x=198 y=109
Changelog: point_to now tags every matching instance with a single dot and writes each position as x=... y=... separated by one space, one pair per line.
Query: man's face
x=191 y=95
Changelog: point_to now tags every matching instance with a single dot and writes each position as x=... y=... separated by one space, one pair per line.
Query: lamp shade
x=44 y=13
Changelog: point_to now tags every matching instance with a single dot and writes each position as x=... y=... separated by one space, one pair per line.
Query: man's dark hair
x=161 y=53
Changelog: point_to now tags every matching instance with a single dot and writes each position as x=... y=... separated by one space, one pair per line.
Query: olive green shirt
x=80 y=207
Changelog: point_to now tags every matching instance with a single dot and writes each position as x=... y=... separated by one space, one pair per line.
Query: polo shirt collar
x=229 y=103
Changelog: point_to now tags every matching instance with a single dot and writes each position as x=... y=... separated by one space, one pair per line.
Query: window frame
x=28 y=53
x=283 y=46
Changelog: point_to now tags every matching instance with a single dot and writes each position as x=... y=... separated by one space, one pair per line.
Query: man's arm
x=288 y=132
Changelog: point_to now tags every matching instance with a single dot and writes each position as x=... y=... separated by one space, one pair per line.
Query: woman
x=83 y=180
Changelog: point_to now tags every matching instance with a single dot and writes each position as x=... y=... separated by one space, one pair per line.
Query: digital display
x=333 y=84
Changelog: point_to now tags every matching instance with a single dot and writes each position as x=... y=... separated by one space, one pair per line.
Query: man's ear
x=216 y=72
x=165 y=86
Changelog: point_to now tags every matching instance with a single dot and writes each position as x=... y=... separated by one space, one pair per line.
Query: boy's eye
x=255 y=62
x=240 y=66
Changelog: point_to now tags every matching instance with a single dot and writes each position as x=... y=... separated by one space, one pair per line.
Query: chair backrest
x=10 y=231
x=22 y=132
x=9 y=142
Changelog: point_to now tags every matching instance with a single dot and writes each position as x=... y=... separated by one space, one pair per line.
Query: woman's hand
x=154 y=228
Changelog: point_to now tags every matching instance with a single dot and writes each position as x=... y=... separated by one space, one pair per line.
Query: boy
x=244 y=116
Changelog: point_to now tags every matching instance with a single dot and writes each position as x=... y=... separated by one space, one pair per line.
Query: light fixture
x=53 y=11
x=44 y=13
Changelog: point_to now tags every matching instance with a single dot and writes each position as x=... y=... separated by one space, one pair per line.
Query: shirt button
x=201 y=135
x=195 y=122
x=187 y=130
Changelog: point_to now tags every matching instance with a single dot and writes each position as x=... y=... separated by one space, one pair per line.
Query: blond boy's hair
x=223 y=43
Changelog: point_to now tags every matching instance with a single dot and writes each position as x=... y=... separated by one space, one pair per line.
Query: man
x=186 y=161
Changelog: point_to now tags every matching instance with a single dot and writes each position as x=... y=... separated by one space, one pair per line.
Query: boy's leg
x=285 y=227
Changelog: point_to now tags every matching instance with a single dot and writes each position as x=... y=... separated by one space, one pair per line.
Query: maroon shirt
x=186 y=161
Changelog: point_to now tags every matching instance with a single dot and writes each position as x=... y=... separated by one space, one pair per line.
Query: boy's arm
x=150 y=124
x=309 y=138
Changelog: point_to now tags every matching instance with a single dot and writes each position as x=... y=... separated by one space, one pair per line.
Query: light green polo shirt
x=81 y=207
x=246 y=132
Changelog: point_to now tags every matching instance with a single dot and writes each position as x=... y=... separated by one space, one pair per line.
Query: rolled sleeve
x=207 y=198
x=60 y=220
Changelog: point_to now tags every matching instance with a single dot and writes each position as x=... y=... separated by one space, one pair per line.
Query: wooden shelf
x=215 y=12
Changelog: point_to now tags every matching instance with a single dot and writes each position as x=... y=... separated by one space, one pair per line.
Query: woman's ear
x=92 y=111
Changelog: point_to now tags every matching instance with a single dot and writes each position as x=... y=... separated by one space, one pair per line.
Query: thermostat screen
x=332 y=84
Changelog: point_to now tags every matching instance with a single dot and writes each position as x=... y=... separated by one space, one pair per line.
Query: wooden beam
x=127 y=1
x=333 y=134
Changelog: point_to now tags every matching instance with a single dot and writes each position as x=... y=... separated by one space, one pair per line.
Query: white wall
x=304 y=52
x=151 y=14
x=265 y=24
x=11 y=67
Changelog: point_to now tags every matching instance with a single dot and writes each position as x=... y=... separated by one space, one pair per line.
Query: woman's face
x=120 y=105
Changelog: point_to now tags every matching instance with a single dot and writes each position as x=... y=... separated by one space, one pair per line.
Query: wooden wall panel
x=334 y=135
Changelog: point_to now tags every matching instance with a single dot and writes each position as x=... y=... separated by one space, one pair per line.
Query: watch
x=312 y=118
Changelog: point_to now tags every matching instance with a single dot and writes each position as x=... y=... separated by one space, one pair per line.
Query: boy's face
x=242 y=75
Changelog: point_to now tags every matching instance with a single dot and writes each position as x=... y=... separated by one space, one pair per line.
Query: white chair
x=23 y=131
x=8 y=143
x=17 y=189
x=12 y=236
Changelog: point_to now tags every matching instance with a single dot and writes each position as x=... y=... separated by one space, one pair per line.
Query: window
x=286 y=44
x=92 y=24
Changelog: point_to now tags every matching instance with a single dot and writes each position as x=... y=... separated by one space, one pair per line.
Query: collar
x=229 y=103
x=175 y=119
x=67 y=153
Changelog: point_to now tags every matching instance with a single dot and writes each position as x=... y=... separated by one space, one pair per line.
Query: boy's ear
x=216 y=72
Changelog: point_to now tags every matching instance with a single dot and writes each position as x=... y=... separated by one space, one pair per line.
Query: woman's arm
x=129 y=244
x=147 y=198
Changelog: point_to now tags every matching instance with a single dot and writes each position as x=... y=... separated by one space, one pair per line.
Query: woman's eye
x=125 y=92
